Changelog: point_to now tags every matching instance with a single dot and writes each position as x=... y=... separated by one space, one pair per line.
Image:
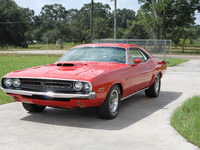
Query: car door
x=148 y=67
x=140 y=76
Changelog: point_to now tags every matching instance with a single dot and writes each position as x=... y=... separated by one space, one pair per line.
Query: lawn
x=186 y=120
x=12 y=62
x=66 y=46
x=175 y=62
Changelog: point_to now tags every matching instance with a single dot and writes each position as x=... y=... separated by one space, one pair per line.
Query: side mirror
x=137 y=61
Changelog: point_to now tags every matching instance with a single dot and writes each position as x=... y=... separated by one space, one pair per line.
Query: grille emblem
x=42 y=84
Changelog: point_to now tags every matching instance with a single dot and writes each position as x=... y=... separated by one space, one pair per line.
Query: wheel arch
x=154 y=76
x=120 y=87
x=160 y=73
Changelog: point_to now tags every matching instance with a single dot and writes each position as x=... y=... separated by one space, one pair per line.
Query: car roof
x=108 y=44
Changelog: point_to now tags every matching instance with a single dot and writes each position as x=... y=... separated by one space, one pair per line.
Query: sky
x=36 y=5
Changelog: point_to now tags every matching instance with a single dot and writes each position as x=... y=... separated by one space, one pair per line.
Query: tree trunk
x=61 y=44
x=183 y=46
x=155 y=42
x=160 y=44
x=154 y=3
x=161 y=33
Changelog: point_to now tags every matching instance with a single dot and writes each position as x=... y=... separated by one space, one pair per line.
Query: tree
x=197 y=28
x=61 y=31
x=115 y=18
x=136 y=30
x=100 y=11
x=51 y=23
x=38 y=30
x=77 y=35
x=184 y=34
x=163 y=16
x=74 y=25
x=14 y=22
x=52 y=13
x=80 y=26
x=101 y=29
x=72 y=15
x=124 y=16
x=29 y=14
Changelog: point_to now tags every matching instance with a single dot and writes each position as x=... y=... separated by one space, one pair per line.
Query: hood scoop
x=65 y=65
x=70 y=64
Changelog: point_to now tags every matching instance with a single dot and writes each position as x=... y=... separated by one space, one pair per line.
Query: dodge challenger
x=89 y=75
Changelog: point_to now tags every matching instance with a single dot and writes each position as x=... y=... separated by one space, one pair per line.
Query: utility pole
x=115 y=20
x=91 y=20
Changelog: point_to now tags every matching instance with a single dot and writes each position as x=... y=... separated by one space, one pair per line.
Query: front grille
x=45 y=85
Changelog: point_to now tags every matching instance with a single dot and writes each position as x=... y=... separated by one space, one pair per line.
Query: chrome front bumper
x=91 y=95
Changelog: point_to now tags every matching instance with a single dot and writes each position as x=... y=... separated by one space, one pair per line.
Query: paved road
x=142 y=124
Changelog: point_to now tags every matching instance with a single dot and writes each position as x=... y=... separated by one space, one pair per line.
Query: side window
x=145 y=55
x=135 y=53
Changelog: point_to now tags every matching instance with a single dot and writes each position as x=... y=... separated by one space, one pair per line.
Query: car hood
x=85 y=71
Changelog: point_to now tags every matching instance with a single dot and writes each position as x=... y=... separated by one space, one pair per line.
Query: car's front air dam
x=62 y=104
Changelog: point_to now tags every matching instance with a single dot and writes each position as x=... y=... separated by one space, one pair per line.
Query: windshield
x=99 y=54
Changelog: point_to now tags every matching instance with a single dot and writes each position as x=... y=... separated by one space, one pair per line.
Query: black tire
x=154 y=90
x=110 y=108
x=33 y=107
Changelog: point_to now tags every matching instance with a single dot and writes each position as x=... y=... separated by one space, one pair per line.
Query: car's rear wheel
x=33 y=107
x=110 y=108
x=154 y=90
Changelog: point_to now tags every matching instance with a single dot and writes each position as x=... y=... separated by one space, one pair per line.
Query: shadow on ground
x=132 y=110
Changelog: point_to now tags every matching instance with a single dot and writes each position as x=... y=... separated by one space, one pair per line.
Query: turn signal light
x=81 y=104
x=15 y=98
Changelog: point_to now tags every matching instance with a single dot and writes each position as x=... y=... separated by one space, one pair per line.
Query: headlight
x=8 y=82
x=16 y=82
x=78 y=86
x=87 y=87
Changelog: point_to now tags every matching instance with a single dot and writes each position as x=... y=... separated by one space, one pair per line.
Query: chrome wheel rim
x=114 y=100
x=157 y=84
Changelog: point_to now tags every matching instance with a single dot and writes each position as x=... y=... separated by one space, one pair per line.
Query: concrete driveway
x=142 y=124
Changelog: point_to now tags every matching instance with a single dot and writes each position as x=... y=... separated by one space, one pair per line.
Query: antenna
x=47 y=52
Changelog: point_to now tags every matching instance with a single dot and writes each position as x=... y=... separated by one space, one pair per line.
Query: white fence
x=158 y=48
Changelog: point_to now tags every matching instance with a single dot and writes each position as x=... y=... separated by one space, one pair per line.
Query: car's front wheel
x=110 y=108
x=33 y=107
x=154 y=90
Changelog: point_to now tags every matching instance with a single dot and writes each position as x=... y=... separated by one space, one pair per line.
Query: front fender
x=102 y=83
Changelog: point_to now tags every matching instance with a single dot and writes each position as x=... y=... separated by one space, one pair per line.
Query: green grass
x=186 y=120
x=12 y=62
x=66 y=46
x=175 y=61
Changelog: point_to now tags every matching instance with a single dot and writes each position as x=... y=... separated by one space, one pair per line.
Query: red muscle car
x=90 y=75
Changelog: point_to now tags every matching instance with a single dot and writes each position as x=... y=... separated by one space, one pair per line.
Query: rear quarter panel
x=159 y=67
